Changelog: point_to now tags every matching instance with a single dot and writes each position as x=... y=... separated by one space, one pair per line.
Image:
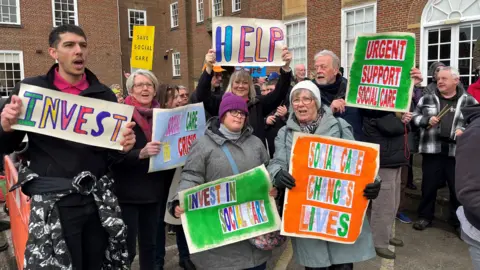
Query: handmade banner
x=71 y=117
x=229 y=210
x=248 y=42
x=142 y=47
x=327 y=202
x=176 y=129
x=380 y=72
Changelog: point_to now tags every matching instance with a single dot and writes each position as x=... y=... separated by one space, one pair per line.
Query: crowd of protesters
x=249 y=123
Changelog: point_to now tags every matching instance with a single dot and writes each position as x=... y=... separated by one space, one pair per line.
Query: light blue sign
x=176 y=129
x=257 y=72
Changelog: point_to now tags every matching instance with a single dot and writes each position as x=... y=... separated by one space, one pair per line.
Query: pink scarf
x=143 y=116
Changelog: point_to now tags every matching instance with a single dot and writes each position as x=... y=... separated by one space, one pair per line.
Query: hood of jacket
x=213 y=126
x=471 y=113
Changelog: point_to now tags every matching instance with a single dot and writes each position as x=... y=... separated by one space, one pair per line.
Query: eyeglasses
x=183 y=96
x=142 y=85
x=305 y=101
x=238 y=113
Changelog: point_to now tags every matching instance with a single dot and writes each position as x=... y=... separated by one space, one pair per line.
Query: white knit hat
x=308 y=85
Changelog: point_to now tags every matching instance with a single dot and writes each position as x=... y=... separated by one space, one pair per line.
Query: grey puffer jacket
x=312 y=252
x=207 y=162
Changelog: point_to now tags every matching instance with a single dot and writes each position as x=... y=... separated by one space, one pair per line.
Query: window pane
x=358 y=16
x=433 y=52
x=369 y=14
x=464 y=67
x=464 y=49
x=445 y=51
x=349 y=18
x=433 y=37
x=369 y=28
x=446 y=35
x=350 y=32
x=476 y=32
x=358 y=29
x=464 y=33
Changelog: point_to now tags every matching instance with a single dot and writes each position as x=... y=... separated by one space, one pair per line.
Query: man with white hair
x=333 y=88
x=439 y=117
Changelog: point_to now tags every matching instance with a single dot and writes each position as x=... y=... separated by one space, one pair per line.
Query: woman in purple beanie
x=208 y=161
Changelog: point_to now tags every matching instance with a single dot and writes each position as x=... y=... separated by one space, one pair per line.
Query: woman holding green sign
x=228 y=146
x=310 y=116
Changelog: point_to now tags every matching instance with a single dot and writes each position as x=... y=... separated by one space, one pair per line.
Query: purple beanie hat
x=232 y=102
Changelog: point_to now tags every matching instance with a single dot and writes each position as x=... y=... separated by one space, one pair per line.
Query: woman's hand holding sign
x=128 y=140
x=10 y=113
x=151 y=149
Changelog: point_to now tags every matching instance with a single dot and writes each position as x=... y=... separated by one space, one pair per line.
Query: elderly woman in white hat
x=310 y=116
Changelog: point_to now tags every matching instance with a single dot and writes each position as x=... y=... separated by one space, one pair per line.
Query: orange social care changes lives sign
x=327 y=202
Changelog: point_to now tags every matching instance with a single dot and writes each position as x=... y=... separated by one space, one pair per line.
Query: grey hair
x=181 y=87
x=453 y=71
x=146 y=73
x=335 y=59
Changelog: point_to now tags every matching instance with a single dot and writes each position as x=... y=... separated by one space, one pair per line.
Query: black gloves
x=371 y=190
x=283 y=180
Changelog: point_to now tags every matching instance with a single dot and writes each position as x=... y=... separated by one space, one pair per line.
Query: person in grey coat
x=207 y=162
x=309 y=116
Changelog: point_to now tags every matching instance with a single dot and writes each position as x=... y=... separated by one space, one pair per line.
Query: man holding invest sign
x=66 y=176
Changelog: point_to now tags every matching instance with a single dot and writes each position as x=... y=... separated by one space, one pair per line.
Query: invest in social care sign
x=380 y=72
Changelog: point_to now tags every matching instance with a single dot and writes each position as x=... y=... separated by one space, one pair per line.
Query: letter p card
x=74 y=118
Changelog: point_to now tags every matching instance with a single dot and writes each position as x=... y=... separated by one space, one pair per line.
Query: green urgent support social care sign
x=380 y=72
x=229 y=210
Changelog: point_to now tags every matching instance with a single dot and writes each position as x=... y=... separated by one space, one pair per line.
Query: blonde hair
x=242 y=75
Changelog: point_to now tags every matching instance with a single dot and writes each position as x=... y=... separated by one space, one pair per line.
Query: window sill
x=200 y=23
x=236 y=11
x=174 y=28
x=177 y=77
x=7 y=25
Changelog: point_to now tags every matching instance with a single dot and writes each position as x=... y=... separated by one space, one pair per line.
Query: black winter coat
x=387 y=130
x=258 y=109
x=57 y=158
x=467 y=171
x=133 y=183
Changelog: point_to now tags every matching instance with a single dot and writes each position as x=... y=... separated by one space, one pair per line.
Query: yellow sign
x=142 y=47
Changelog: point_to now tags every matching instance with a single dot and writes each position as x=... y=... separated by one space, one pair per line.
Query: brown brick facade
x=98 y=19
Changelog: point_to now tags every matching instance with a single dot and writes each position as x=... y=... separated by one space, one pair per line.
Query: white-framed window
x=200 y=13
x=11 y=71
x=174 y=15
x=136 y=17
x=297 y=41
x=217 y=8
x=355 y=20
x=236 y=5
x=449 y=31
x=176 y=64
x=64 y=12
x=10 y=12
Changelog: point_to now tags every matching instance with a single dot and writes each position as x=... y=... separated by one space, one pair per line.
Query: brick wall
x=37 y=22
x=324 y=27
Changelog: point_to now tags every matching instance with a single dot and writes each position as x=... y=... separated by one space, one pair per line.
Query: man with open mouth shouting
x=74 y=221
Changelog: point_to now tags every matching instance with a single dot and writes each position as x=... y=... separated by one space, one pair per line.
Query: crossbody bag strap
x=230 y=159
